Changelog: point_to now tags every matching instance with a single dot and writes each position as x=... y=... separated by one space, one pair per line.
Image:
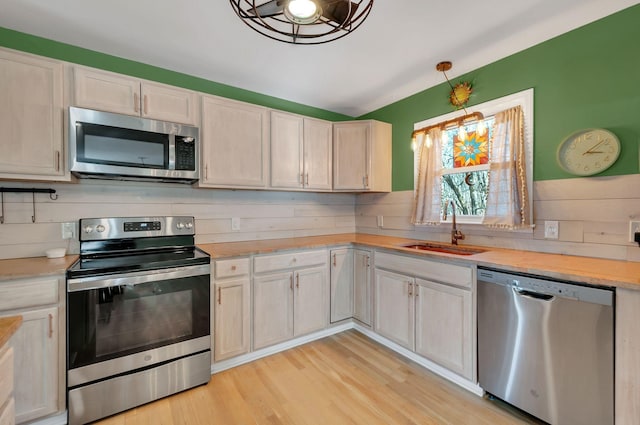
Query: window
x=470 y=169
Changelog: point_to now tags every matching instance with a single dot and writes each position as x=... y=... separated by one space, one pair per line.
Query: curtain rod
x=445 y=124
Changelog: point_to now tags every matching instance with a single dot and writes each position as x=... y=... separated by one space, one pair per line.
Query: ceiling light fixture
x=303 y=21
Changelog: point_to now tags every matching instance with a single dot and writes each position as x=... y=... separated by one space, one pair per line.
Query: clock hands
x=591 y=150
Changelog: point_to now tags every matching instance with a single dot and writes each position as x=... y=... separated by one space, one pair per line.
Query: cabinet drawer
x=267 y=263
x=428 y=269
x=231 y=268
x=6 y=374
x=23 y=293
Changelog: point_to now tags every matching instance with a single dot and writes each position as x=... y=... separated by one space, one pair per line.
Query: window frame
x=525 y=100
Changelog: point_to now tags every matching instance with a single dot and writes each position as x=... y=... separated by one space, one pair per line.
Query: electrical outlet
x=634 y=227
x=551 y=230
x=380 y=221
x=235 y=223
x=69 y=230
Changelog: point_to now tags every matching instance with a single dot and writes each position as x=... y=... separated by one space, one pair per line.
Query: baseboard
x=427 y=364
x=264 y=352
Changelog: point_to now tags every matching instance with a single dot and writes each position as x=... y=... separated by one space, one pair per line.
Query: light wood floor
x=343 y=379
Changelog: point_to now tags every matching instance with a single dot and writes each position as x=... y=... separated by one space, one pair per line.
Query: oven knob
x=99 y=228
x=180 y=225
x=189 y=225
x=88 y=229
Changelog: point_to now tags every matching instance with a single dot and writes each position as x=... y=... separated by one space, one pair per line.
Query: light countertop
x=8 y=326
x=594 y=271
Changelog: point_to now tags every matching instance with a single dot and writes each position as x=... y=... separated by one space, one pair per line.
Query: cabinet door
x=31 y=117
x=105 y=91
x=363 y=301
x=394 y=307
x=272 y=309
x=318 y=158
x=443 y=326
x=286 y=151
x=351 y=163
x=341 y=284
x=232 y=318
x=166 y=103
x=235 y=144
x=310 y=308
x=35 y=348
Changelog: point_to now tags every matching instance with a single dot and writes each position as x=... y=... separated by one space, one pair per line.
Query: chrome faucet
x=456 y=234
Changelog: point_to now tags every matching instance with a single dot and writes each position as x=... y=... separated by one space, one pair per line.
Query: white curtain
x=427 y=201
x=507 y=197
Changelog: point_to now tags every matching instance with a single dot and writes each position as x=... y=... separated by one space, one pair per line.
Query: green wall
x=66 y=52
x=586 y=78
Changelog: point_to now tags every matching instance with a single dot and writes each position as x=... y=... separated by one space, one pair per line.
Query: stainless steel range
x=138 y=320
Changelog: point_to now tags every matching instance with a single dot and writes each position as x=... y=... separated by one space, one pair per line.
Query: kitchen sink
x=447 y=249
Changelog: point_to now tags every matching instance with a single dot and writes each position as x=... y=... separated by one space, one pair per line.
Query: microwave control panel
x=185 y=153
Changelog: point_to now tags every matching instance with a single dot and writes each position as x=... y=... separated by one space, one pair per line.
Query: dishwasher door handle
x=525 y=293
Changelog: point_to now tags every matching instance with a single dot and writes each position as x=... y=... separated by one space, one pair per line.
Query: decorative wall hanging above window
x=303 y=21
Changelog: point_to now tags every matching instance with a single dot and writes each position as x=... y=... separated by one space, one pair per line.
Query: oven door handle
x=135 y=278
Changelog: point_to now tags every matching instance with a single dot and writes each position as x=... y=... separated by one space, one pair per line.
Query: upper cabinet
x=362 y=156
x=235 y=144
x=31 y=117
x=300 y=152
x=110 y=92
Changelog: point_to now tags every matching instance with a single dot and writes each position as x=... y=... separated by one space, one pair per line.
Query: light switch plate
x=380 y=221
x=235 y=223
x=69 y=230
x=551 y=230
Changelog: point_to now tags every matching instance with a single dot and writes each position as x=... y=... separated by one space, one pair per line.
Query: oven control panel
x=135 y=227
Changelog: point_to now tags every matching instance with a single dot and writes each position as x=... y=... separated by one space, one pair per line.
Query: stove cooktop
x=137 y=261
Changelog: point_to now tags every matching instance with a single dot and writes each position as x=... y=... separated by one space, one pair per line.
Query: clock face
x=588 y=152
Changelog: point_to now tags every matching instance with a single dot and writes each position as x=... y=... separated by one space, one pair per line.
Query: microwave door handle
x=172 y=151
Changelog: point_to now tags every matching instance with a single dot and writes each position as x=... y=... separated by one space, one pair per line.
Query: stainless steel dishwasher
x=546 y=346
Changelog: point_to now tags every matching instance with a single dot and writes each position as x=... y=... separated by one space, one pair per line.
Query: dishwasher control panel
x=533 y=285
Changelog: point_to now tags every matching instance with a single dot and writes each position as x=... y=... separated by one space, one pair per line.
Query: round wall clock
x=588 y=152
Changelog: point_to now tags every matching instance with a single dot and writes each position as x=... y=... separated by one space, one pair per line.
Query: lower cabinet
x=434 y=319
x=232 y=324
x=38 y=345
x=231 y=301
x=290 y=302
x=362 y=286
x=342 y=284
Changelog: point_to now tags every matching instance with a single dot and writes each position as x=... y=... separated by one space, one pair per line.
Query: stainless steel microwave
x=123 y=147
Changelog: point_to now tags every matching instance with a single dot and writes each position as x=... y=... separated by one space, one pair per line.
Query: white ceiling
x=391 y=56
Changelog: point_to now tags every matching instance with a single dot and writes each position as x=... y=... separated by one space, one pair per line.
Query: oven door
x=119 y=323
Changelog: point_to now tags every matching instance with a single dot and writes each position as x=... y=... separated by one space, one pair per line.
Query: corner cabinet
x=235 y=144
x=106 y=91
x=232 y=308
x=31 y=117
x=38 y=345
x=289 y=296
x=362 y=156
x=427 y=306
x=301 y=152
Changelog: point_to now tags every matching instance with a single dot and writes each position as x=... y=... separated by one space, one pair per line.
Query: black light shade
x=334 y=19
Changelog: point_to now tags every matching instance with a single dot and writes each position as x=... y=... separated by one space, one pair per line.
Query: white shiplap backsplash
x=262 y=214
x=593 y=216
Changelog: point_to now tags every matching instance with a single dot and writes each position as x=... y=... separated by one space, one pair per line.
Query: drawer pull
x=233 y=268
x=50 y=325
